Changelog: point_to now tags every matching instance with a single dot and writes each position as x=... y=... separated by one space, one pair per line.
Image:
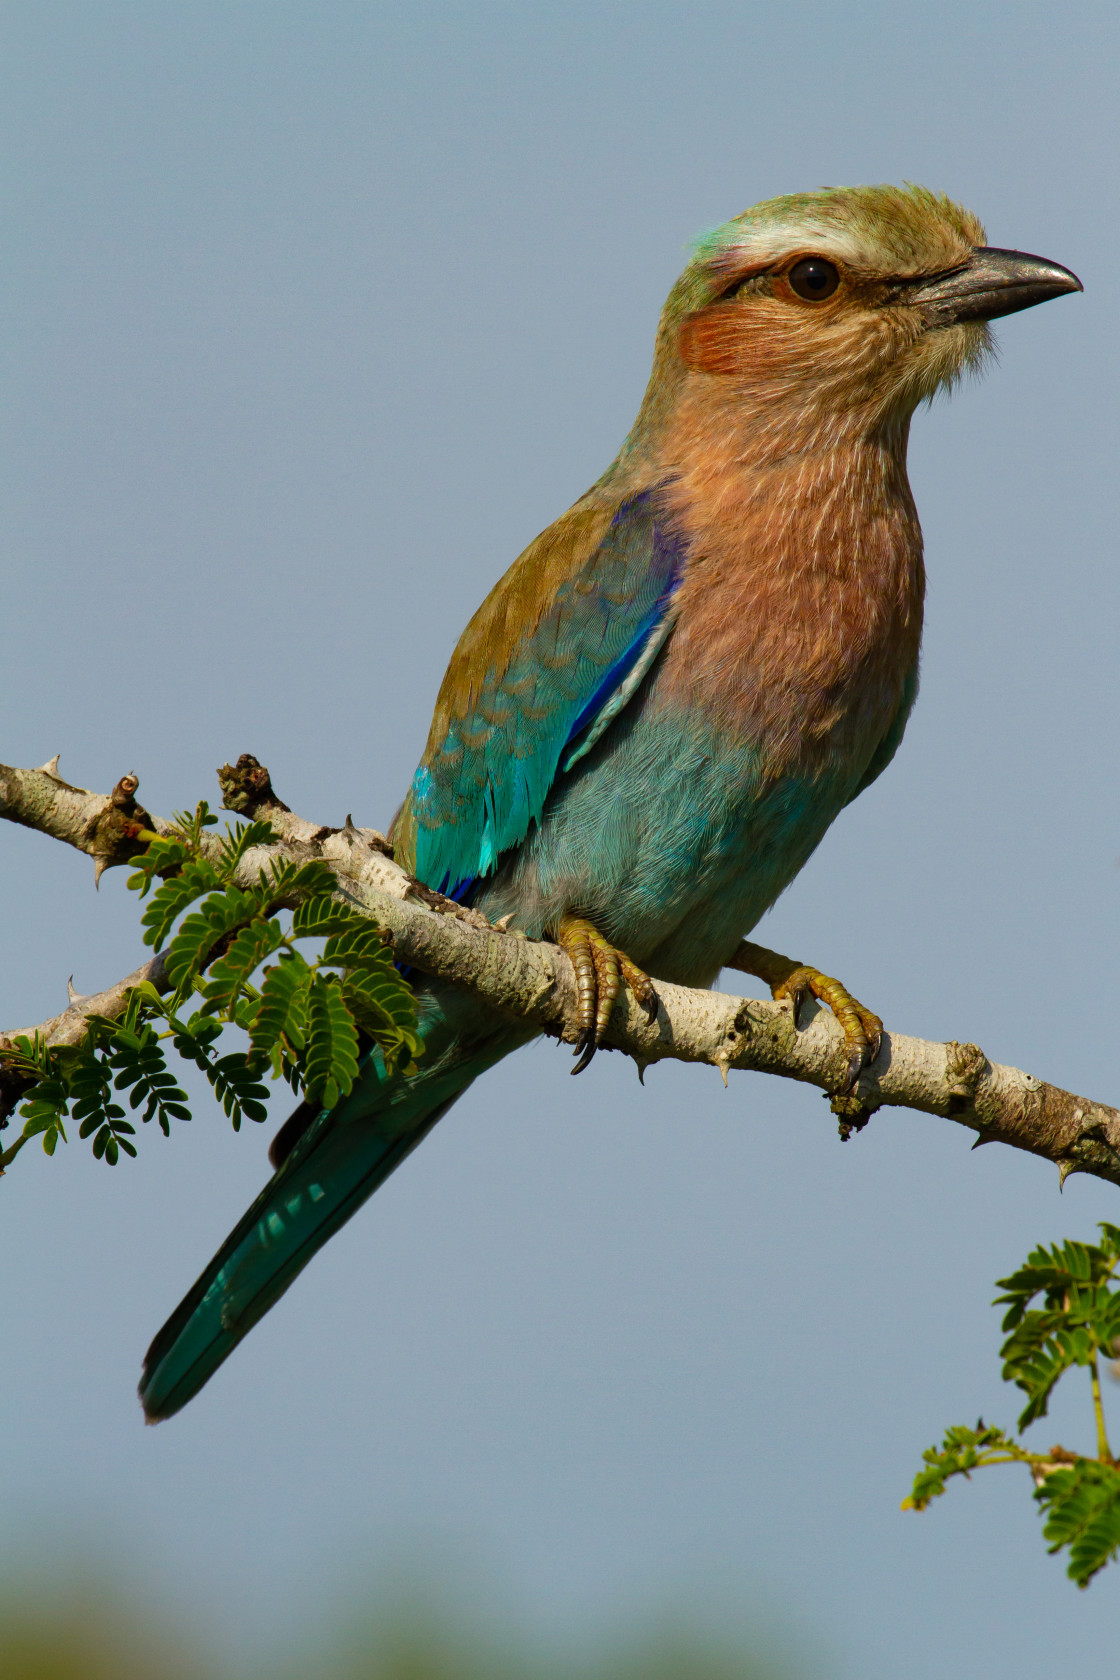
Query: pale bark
x=533 y=980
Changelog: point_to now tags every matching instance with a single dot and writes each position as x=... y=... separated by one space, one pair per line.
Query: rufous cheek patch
x=726 y=338
x=712 y=340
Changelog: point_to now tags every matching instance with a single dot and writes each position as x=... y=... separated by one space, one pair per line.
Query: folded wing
x=549 y=660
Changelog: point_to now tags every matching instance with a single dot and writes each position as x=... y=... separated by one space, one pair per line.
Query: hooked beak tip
x=994 y=282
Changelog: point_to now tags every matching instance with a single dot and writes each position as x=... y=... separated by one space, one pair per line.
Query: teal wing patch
x=478 y=790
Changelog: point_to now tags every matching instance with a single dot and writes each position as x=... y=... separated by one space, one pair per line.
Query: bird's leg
x=796 y=981
x=600 y=970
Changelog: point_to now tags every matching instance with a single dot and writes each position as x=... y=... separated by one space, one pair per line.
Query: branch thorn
x=50 y=768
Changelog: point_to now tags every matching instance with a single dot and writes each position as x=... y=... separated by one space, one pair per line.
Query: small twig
x=1104 y=1451
x=70 y=1028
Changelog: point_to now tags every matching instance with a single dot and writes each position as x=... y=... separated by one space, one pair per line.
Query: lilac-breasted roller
x=654 y=716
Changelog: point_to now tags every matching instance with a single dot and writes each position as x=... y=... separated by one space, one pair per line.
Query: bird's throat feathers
x=799 y=615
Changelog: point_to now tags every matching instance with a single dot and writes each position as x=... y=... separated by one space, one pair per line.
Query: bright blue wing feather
x=480 y=792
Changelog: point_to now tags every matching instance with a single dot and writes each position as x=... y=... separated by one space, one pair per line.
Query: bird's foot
x=863 y=1030
x=600 y=971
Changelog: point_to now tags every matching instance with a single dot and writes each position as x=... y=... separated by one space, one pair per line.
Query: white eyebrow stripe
x=771 y=243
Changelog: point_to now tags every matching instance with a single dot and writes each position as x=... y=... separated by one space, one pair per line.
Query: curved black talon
x=587 y=1044
x=600 y=970
x=857 y=1061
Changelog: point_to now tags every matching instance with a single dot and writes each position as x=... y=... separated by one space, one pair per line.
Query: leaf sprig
x=1077 y=1322
x=309 y=1021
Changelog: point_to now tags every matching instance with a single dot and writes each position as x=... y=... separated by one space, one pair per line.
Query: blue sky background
x=313 y=316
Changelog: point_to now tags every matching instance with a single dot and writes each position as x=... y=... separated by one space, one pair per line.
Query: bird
x=657 y=712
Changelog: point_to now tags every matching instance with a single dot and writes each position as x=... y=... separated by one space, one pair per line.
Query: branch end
x=247 y=788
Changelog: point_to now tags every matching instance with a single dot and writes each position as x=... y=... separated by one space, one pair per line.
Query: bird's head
x=847 y=305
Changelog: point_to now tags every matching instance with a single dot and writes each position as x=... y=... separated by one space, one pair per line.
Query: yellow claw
x=600 y=970
x=863 y=1029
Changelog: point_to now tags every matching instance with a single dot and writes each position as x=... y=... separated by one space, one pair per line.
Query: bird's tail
x=339 y=1161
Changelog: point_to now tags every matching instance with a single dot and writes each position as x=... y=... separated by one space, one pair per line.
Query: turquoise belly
x=672 y=839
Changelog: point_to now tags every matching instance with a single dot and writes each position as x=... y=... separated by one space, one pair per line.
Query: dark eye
x=814 y=279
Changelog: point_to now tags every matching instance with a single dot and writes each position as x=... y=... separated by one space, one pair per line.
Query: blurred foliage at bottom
x=90 y=1634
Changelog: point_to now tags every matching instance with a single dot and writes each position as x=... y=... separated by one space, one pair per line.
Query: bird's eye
x=814 y=279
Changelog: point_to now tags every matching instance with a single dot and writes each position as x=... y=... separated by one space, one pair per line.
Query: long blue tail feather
x=339 y=1161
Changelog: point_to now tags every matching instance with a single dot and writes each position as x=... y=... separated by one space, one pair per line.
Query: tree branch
x=533 y=980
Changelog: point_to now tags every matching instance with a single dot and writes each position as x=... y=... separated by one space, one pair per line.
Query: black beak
x=992 y=283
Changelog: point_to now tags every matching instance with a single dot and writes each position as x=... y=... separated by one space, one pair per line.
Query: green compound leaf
x=45 y=1112
x=243 y=1010
x=46 y=1108
x=172 y=898
x=251 y=945
x=30 y=1055
x=237 y=1086
x=91 y=1090
x=378 y=996
x=166 y=855
x=146 y=1002
x=359 y=943
x=1038 y=1354
x=47 y=1103
x=383 y=987
x=111 y=1139
x=1080 y=1315
x=75 y=1080
x=239 y=839
x=193 y=1039
x=962 y=1451
x=192 y=826
x=282 y=1011
x=1102 y=1320
x=331 y=1060
x=176 y=857
x=385 y=1010
x=285 y=881
x=142 y=1071
x=1068 y=1276
x=218 y=916
x=322 y=915
x=51 y=1136
x=1083 y=1506
x=90 y=1077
